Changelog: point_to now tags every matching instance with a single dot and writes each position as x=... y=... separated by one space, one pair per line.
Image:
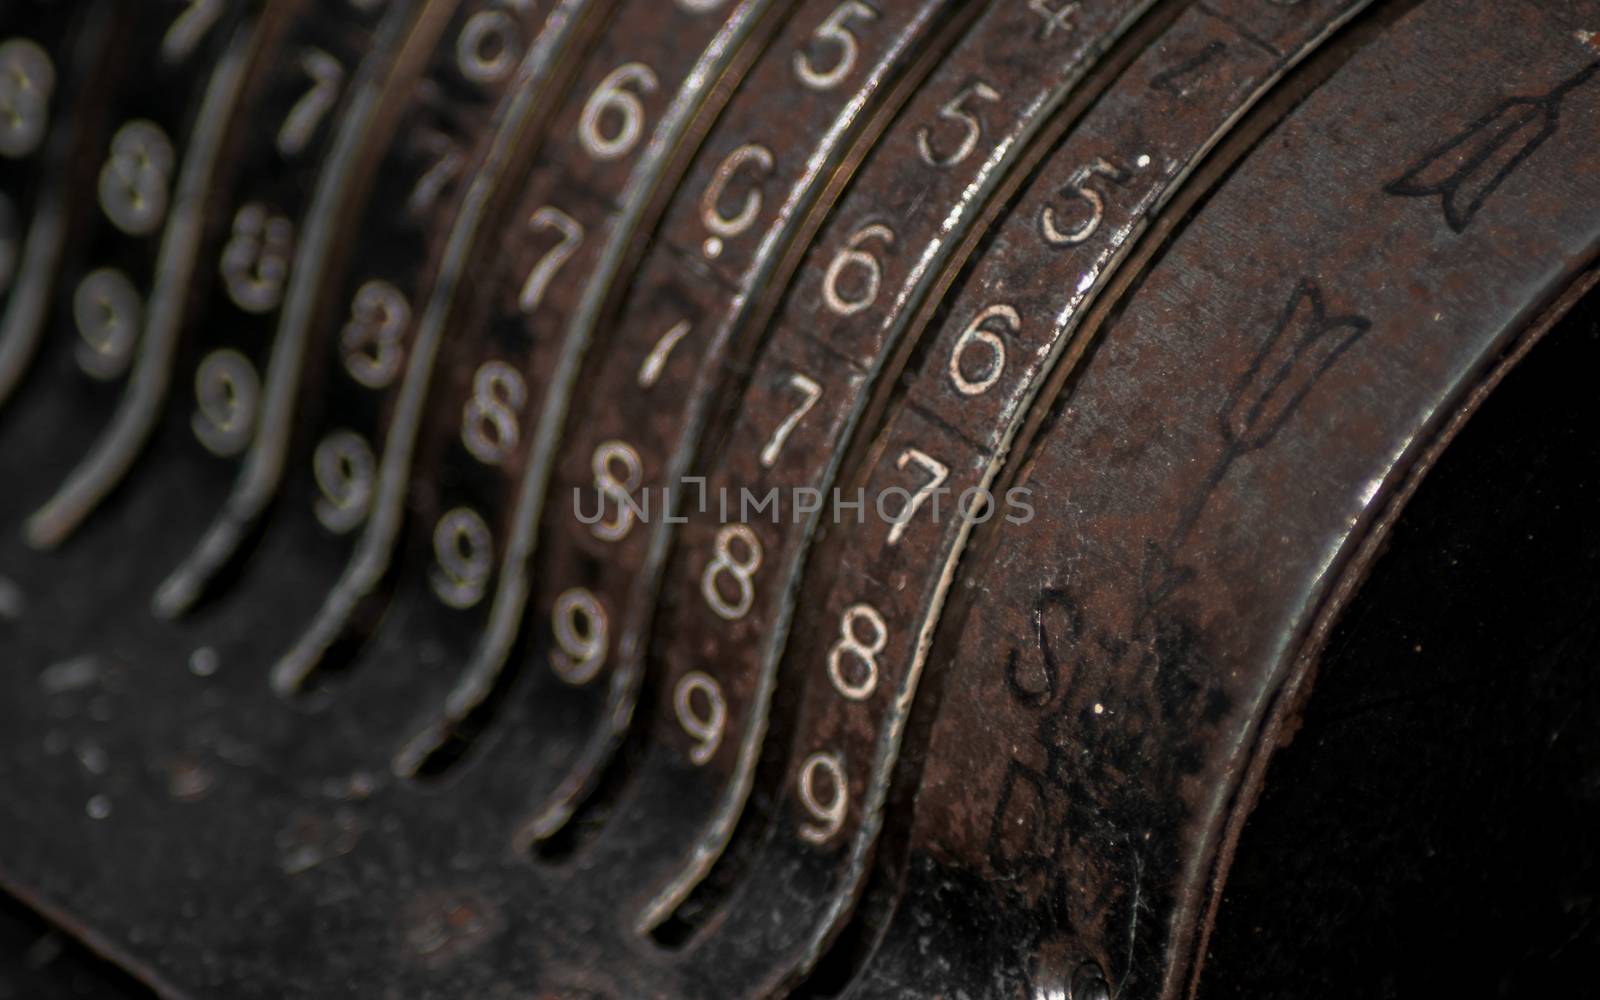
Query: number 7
x=301 y=124
x=812 y=392
x=939 y=473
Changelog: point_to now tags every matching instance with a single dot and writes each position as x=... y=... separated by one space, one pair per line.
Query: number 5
x=956 y=111
x=834 y=30
x=1079 y=187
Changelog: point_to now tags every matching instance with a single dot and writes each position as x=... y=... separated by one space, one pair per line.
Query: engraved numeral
x=373 y=339
x=579 y=624
x=463 y=553
x=810 y=392
x=487 y=48
x=721 y=225
x=134 y=181
x=740 y=568
x=544 y=272
x=447 y=163
x=345 y=470
x=107 y=310
x=27 y=79
x=489 y=426
x=829 y=811
x=1056 y=18
x=612 y=99
x=619 y=491
x=255 y=262
x=189 y=29
x=971 y=125
x=835 y=32
x=227 y=391
x=327 y=77
x=858 y=682
x=853 y=258
x=650 y=371
x=1078 y=187
x=937 y=471
x=972 y=375
x=702 y=712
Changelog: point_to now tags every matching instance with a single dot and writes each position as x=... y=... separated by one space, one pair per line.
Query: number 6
x=612 y=95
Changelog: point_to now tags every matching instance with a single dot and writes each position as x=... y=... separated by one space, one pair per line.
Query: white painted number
x=1056 y=18
x=189 y=28
x=836 y=32
x=134 y=181
x=255 y=263
x=810 y=392
x=857 y=683
x=972 y=126
x=977 y=378
x=327 y=77
x=373 y=339
x=581 y=634
x=853 y=258
x=736 y=566
x=107 y=310
x=464 y=555
x=705 y=724
x=345 y=470
x=650 y=371
x=447 y=163
x=489 y=426
x=829 y=811
x=613 y=101
x=937 y=471
x=486 y=49
x=544 y=272
x=226 y=392
x=717 y=222
x=615 y=490
x=27 y=79
x=1078 y=187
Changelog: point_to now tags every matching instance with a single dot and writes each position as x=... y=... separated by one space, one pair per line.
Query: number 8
x=867 y=652
x=727 y=564
x=489 y=426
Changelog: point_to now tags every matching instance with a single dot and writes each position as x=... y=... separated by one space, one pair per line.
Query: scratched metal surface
x=313 y=681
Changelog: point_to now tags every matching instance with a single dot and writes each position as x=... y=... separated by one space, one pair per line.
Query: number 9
x=830 y=814
x=706 y=728
x=580 y=629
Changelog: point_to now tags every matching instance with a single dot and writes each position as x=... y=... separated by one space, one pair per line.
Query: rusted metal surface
x=1218 y=458
x=335 y=661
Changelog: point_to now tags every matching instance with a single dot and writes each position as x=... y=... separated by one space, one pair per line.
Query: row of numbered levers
x=458 y=337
